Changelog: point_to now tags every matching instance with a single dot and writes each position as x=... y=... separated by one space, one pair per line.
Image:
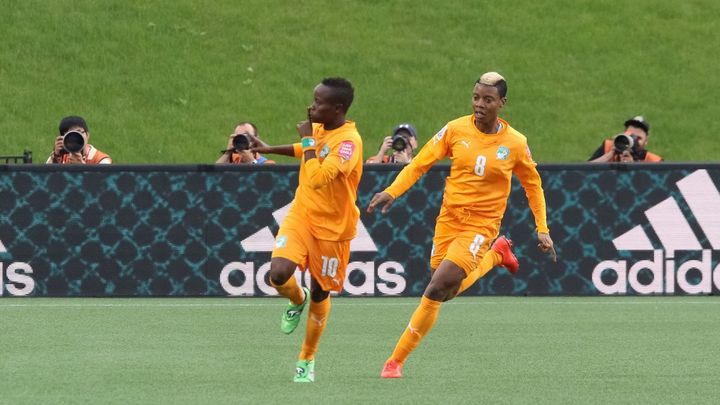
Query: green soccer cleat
x=305 y=371
x=291 y=317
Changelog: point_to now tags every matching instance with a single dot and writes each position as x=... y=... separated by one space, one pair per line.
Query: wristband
x=307 y=143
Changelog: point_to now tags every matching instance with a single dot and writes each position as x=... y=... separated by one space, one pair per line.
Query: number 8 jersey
x=477 y=189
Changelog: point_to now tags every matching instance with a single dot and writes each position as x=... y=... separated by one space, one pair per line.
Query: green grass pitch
x=164 y=81
x=482 y=350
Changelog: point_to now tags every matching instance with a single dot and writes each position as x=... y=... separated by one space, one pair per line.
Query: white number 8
x=480 y=165
x=476 y=244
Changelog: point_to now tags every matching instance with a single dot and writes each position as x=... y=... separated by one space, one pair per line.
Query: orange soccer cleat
x=503 y=246
x=392 y=369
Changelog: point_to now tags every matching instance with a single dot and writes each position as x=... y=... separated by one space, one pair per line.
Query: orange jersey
x=327 y=188
x=478 y=187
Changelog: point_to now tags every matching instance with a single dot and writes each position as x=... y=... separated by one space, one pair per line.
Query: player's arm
x=413 y=171
x=435 y=149
x=341 y=160
x=257 y=145
x=285 y=150
x=526 y=171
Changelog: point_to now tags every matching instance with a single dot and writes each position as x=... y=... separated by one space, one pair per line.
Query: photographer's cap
x=405 y=127
x=639 y=122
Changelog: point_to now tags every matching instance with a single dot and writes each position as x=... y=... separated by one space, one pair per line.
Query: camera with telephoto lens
x=400 y=141
x=73 y=142
x=241 y=142
x=623 y=142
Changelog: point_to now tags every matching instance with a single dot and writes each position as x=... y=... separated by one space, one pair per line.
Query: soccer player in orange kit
x=485 y=151
x=323 y=217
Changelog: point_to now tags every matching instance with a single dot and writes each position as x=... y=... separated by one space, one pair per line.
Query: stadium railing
x=25 y=158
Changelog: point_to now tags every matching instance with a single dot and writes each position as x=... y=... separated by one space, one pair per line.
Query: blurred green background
x=166 y=81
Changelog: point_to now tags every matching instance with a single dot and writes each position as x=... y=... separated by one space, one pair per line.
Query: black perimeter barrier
x=207 y=230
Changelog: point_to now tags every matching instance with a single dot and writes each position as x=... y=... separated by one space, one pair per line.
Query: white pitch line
x=350 y=304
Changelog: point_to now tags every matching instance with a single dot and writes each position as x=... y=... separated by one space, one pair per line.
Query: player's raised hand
x=383 y=199
x=257 y=143
x=304 y=128
x=546 y=245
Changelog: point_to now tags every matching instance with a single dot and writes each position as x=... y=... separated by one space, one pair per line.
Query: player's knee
x=281 y=270
x=452 y=294
x=442 y=287
x=317 y=294
x=441 y=290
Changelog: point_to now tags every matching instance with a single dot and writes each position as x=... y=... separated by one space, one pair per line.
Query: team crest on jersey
x=281 y=241
x=502 y=153
x=325 y=151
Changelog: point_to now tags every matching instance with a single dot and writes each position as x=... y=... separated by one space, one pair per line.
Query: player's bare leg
x=317 y=319
x=282 y=277
x=445 y=281
x=444 y=284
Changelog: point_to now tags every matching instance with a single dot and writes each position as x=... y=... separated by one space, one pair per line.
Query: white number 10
x=480 y=165
x=330 y=266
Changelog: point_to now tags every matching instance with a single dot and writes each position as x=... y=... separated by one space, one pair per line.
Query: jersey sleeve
x=435 y=149
x=526 y=171
x=342 y=158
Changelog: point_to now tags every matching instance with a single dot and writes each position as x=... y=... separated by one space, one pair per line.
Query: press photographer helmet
x=623 y=142
x=73 y=142
x=241 y=142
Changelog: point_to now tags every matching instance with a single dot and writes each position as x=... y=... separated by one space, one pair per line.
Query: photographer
x=398 y=148
x=239 y=144
x=628 y=146
x=72 y=147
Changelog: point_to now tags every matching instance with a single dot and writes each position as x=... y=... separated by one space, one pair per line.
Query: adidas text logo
x=16 y=278
x=675 y=234
x=384 y=277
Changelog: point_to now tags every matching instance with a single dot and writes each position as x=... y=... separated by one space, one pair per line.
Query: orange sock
x=420 y=324
x=490 y=260
x=291 y=290
x=317 y=318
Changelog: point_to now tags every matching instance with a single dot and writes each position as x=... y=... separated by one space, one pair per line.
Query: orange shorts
x=326 y=260
x=462 y=246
